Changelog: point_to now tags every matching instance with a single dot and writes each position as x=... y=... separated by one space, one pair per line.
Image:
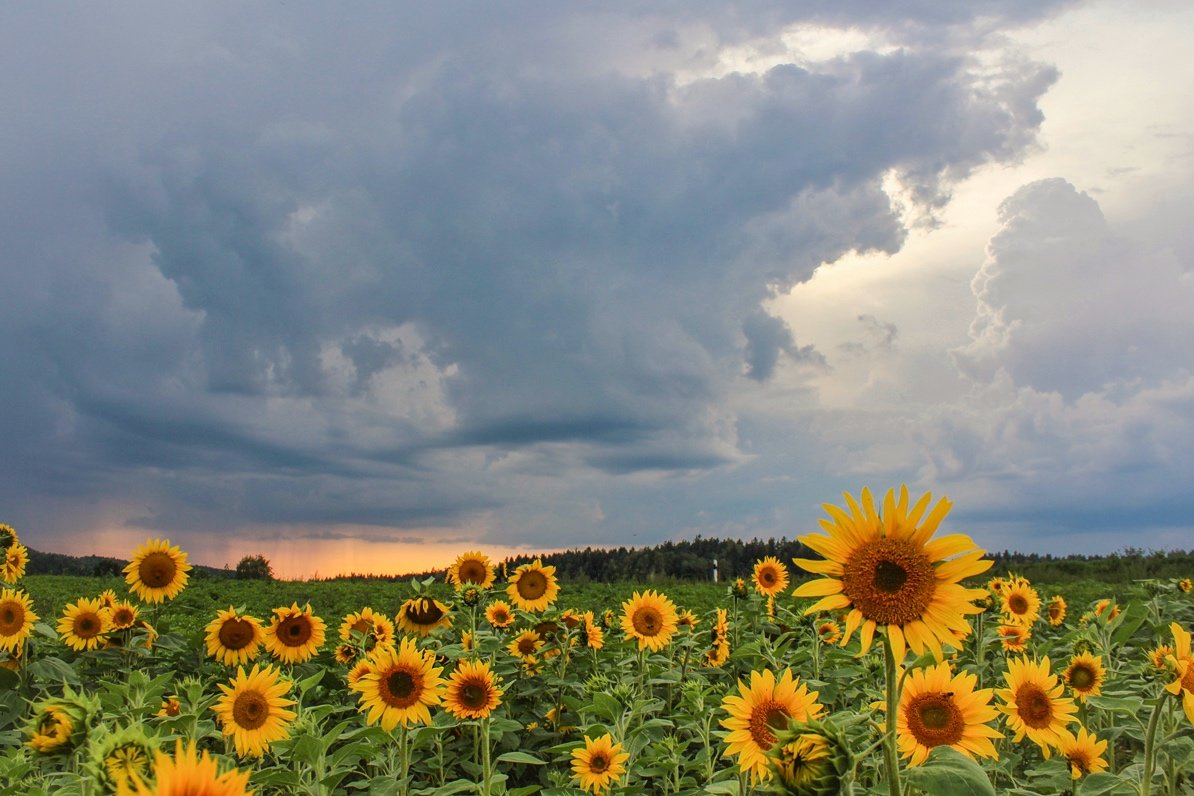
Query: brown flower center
x=500 y=617
x=12 y=618
x=294 y=631
x=1080 y=760
x=123 y=617
x=236 y=634
x=423 y=612
x=598 y=763
x=890 y=581
x=526 y=645
x=1188 y=677
x=472 y=571
x=1034 y=706
x=935 y=720
x=765 y=717
x=767 y=577
x=87 y=625
x=532 y=585
x=401 y=688
x=647 y=621
x=474 y=696
x=1081 y=677
x=157 y=570
x=250 y=710
x=1017 y=604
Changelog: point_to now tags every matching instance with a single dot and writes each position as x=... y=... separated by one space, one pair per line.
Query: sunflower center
x=1017 y=604
x=472 y=572
x=250 y=710
x=1188 y=677
x=1081 y=677
x=935 y=720
x=294 y=631
x=598 y=763
x=1080 y=760
x=87 y=625
x=532 y=585
x=767 y=716
x=424 y=612
x=12 y=619
x=767 y=577
x=157 y=570
x=361 y=626
x=526 y=645
x=123 y=617
x=235 y=634
x=500 y=617
x=401 y=688
x=125 y=761
x=647 y=621
x=1034 y=706
x=474 y=696
x=890 y=581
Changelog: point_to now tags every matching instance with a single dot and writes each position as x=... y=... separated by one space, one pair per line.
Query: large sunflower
x=1021 y=604
x=939 y=708
x=189 y=774
x=533 y=587
x=497 y=613
x=1085 y=675
x=83 y=624
x=758 y=710
x=472 y=691
x=233 y=638
x=253 y=710
x=1034 y=704
x=422 y=615
x=471 y=569
x=771 y=577
x=1183 y=659
x=158 y=571
x=889 y=573
x=599 y=764
x=525 y=645
x=295 y=634
x=16 y=619
x=1084 y=752
x=400 y=687
x=650 y=619
x=12 y=565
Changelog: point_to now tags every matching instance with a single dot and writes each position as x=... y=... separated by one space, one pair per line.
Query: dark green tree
x=254 y=568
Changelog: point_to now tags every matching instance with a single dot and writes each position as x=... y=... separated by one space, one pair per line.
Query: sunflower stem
x=404 y=757
x=890 y=754
x=486 y=765
x=1150 y=751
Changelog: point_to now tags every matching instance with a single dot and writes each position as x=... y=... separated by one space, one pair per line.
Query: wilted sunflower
x=599 y=764
x=890 y=573
x=525 y=645
x=1034 y=704
x=1021 y=604
x=472 y=691
x=761 y=709
x=1085 y=675
x=12 y=566
x=829 y=631
x=254 y=711
x=533 y=587
x=770 y=576
x=650 y=619
x=83 y=624
x=233 y=638
x=1056 y=610
x=189 y=774
x=422 y=615
x=16 y=619
x=1183 y=658
x=1084 y=752
x=939 y=708
x=158 y=571
x=1015 y=637
x=400 y=687
x=471 y=569
x=51 y=729
x=123 y=616
x=295 y=634
x=497 y=613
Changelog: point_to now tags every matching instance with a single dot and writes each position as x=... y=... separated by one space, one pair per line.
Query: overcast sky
x=360 y=286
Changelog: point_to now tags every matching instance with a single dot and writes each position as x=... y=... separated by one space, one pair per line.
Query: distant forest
x=693 y=560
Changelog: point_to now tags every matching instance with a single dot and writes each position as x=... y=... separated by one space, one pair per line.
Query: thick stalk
x=890 y=753
x=486 y=765
x=404 y=757
x=1150 y=751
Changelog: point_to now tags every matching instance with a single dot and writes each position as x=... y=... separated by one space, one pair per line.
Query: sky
x=361 y=287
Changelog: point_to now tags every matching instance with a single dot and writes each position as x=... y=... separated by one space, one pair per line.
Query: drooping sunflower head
x=254 y=710
x=117 y=760
x=16 y=619
x=84 y=623
x=889 y=573
x=1084 y=752
x=810 y=758
x=422 y=615
x=157 y=571
x=472 y=569
x=294 y=634
x=650 y=619
x=1085 y=675
x=760 y=710
x=13 y=563
x=1034 y=705
x=498 y=614
x=472 y=691
x=1056 y=610
x=940 y=708
x=233 y=638
x=598 y=764
x=593 y=637
x=770 y=577
x=1015 y=637
x=400 y=687
x=188 y=773
x=525 y=645
x=533 y=587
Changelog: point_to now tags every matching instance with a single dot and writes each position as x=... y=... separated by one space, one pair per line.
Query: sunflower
x=369 y=626
x=758 y=710
x=83 y=624
x=1021 y=604
x=1106 y=610
x=1085 y=753
x=189 y=774
x=497 y=613
x=1015 y=637
x=472 y=691
x=253 y=710
x=8 y=537
x=718 y=654
x=1034 y=705
x=345 y=654
x=171 y=706
x=294 y=634
x=939 y=708
x=649 y=618
x=1085 y=675
x=721 y=626
x=16 y=619
x=525 y=645
x=123 y=614
x=51 y=729
x=12 y=568
x=771 y=577
x=119 y=759
x=889 y=573
x=1159 y=655
x=1183 y=659
x=358 y=671
x=533 y=587
x=471 y=569
x=158 y=571
x=688 y=619
x=997 y=585
x=1185 y=584
x=593 y=636
x=829 y=631
x=400 y=687
x=233 y=638
x=422 y=615
x=599 y=764
x=1055 y=610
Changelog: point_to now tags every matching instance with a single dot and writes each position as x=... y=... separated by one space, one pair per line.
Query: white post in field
x=715 y=570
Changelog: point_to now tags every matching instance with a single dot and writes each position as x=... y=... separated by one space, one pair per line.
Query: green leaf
x=1105 y=784
x=520 y=757
x=728 y=786
x=948 y=772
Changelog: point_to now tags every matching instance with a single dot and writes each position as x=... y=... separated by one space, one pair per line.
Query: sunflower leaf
x=948 y=772
x=521 y=757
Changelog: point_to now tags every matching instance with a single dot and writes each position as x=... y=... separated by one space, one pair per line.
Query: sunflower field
x=895 y=663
